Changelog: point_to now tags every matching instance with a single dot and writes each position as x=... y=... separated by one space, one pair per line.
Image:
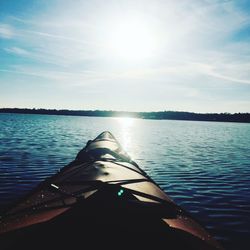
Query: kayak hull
x=101 y=199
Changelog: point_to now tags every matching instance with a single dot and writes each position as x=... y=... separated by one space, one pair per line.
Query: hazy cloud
x=17 y=51
x=6 y=31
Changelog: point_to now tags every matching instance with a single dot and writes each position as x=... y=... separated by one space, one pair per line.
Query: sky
x=189 y=55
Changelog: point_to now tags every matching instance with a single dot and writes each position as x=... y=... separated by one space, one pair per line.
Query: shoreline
x=157 y=115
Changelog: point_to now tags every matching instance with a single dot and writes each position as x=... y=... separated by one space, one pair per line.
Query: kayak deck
x=99 y=199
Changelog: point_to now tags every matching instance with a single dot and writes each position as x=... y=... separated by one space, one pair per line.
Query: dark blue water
x=203 y=166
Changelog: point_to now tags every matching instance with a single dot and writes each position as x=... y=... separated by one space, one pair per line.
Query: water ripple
x=203 y=166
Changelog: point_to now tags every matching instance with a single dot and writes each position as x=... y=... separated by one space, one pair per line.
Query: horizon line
x=123 y=111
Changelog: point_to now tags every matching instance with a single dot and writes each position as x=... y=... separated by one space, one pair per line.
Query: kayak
x=101 y=199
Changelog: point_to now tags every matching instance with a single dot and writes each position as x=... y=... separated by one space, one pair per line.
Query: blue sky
x=125 y=55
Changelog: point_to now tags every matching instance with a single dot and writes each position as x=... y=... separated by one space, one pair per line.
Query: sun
x=130 y=40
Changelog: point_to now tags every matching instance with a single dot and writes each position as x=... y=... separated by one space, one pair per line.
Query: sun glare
x=126 y=122
x=131 y=40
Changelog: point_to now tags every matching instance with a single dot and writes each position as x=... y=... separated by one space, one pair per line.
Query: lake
x=203 y=166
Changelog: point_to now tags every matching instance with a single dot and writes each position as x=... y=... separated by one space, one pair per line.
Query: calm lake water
x=203 y=166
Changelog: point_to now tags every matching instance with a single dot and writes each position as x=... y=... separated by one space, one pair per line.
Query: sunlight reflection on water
x=126 y=126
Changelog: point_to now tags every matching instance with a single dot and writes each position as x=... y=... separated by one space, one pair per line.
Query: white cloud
x=229 y=78
x=17 y=51
x=183 y=29
x=62 y=78
x=6 y=31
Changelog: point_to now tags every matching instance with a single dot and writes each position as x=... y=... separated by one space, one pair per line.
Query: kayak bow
x=101 y=199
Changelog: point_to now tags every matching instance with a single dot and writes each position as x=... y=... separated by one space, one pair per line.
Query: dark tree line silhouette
x=161 y=115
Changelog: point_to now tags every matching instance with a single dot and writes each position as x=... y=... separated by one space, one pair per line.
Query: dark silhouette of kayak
x=101 y=200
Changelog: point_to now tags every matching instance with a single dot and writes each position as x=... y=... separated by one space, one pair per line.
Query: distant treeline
x=161 y=115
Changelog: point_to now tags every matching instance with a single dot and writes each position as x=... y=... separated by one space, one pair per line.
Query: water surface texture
x=203 y=166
